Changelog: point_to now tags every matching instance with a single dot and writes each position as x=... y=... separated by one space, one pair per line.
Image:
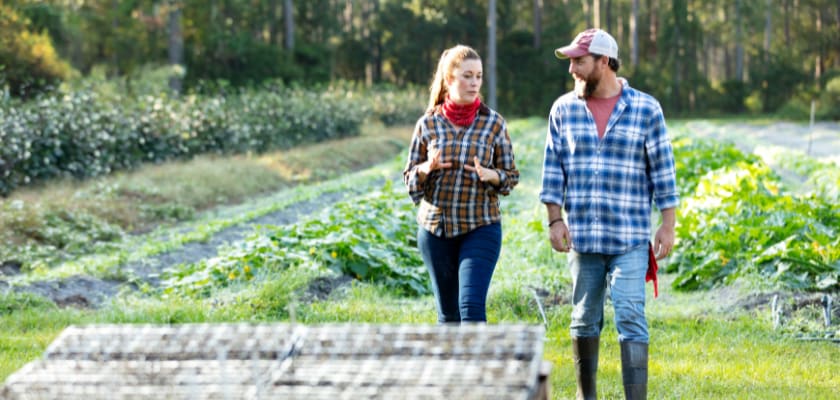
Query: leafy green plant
x=371 y=239
x=737 y=221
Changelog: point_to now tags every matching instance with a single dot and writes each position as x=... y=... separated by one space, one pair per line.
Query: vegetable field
x=745 y=234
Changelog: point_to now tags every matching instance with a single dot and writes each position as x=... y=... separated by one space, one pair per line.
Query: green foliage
x=28 y=62
x=733 y=95
x=736 y=222
x=776 y=81
x=395 y=106
x=829 y=99
x=239 y=59
x=84 y=133
x=12 y=302
x=823 y=179
x=530 y=79
x=371 y=238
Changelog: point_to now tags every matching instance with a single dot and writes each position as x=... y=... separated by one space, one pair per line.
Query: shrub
x=28 y=62
x=85 y=133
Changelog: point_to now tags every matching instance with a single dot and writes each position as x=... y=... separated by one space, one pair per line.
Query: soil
x=91 y=292
x=822 y=142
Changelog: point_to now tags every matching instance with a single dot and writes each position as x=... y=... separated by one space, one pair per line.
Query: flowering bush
x=86 y=133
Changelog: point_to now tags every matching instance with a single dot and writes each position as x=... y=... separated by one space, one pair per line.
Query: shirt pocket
x=483 y=149
x=448 y=152
x=628 y=146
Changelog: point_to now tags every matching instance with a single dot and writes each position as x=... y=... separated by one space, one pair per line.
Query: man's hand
x=663 y=242
x=561 y=239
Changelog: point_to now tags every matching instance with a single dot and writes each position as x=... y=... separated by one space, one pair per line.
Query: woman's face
x=465 y=83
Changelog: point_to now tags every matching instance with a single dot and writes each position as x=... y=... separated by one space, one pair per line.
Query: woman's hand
x=432 y=164
x=484 y=174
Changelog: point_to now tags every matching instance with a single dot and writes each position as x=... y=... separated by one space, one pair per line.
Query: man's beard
x=584 y=88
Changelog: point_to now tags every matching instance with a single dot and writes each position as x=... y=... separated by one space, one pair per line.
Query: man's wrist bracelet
x=554 y=221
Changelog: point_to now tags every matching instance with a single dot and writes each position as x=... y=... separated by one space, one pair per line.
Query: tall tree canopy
x=694 y=55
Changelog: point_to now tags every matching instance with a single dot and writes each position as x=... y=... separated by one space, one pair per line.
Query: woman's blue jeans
x=461 y=268
x=624 y=275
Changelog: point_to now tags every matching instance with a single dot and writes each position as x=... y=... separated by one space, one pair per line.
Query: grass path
x=703 y=346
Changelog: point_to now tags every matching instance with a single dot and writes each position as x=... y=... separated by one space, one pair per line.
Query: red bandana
x=460 y=114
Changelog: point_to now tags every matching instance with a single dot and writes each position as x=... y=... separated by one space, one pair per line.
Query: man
x=607 y=157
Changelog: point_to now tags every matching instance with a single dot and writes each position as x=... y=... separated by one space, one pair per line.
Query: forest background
x=699 y=58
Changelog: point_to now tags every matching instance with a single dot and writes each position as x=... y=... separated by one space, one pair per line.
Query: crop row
x=87 y=133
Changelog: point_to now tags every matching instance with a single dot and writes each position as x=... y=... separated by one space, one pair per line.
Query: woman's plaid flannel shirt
x=453 y=201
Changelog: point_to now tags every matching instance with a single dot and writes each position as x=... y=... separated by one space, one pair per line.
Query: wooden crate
x=273 y=361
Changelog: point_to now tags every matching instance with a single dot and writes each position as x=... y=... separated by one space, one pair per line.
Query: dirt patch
x=78 y=291
x=322 y=287
x=91 y=292
x=9 y=268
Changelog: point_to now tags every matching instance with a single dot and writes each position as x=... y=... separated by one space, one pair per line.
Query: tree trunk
x=596 y=13
x=273 y=30
x=491 y=54
x=176 y=48
x=608 y=18
x=634 y=35
x=538 y=7
x=115 y=23
x=377 y=54
x=653 y=24
x=739 y=44
x=349 y=27
x=289 y=21
x=787 y=24
x=818 y=63
x=768 y=30
x=587 y=10
x=677 y=9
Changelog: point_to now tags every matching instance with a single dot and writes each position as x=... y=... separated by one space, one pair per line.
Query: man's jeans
x=461 y=268
x=624 y=275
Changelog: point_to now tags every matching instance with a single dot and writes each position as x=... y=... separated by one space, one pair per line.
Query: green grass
x=702 y=345
x=58 y=221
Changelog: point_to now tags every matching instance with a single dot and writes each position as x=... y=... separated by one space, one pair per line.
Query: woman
x=459 y=162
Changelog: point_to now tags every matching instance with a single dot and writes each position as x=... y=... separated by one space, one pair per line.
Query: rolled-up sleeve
x=416 y=156
x=661 y=163
x=504 y=162
x=553 y=175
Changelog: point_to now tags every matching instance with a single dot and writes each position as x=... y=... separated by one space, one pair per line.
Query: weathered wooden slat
x=247 y=361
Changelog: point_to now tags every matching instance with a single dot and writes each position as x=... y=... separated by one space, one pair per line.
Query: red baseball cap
x=590 y=41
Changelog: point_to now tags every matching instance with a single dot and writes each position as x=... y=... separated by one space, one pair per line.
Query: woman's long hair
x=450 y=59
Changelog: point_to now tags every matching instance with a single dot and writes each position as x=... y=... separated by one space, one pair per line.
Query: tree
x=634 y=34
x=490 y=74
x=289 y=24
x=176 y=47
x=28 y=61
x=538 y=8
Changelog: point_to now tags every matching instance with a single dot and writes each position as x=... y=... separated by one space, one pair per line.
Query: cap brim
x=570 y=52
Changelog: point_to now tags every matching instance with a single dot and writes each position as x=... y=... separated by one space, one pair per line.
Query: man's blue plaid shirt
x=606 y=186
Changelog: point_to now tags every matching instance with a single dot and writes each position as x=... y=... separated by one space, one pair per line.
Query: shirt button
x=596 y=172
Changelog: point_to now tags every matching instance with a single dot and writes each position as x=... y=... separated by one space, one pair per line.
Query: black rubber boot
x=586 y=366
x=634 y=369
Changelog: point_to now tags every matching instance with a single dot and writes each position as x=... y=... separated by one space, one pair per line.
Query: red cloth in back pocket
x=651 y=271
